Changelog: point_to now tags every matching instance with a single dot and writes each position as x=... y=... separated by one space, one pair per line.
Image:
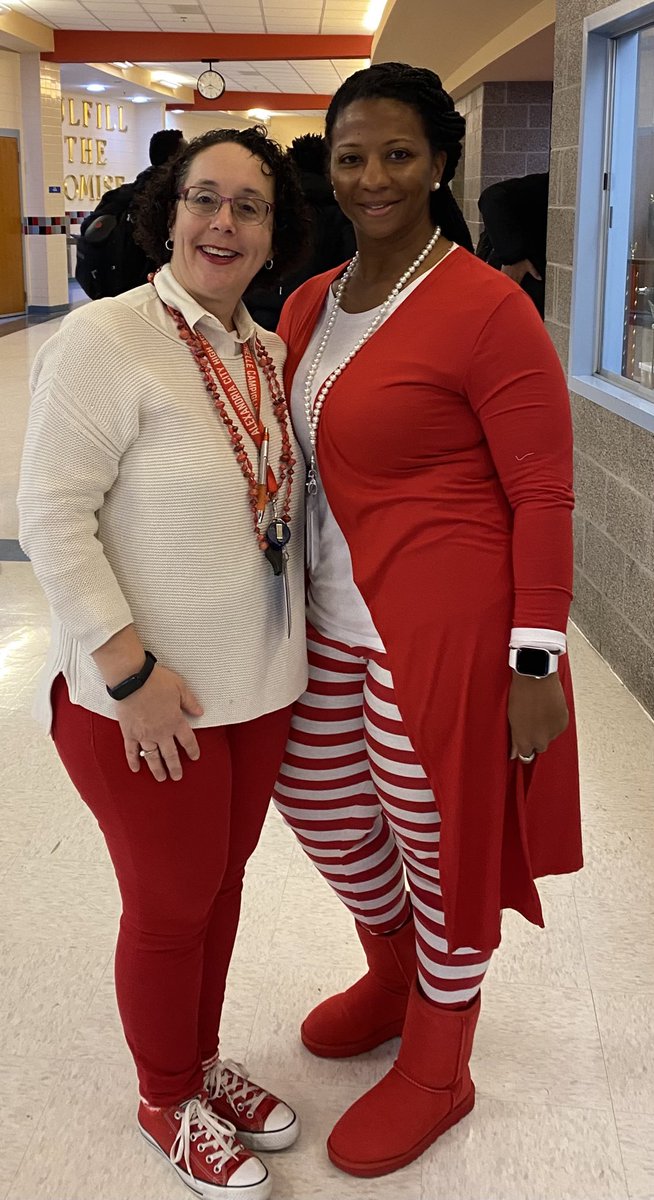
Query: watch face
x=211 y=85
x=532 y=662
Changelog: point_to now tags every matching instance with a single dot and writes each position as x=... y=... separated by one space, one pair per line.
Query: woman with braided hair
x=431 y=771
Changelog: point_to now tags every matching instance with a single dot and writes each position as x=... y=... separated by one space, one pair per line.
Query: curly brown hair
x=153 y=210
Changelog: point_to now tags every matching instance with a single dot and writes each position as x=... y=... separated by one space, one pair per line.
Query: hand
x=537 y=712
x=153 y=718
x=517 y=271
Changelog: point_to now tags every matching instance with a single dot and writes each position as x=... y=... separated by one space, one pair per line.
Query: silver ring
x=527 y=758
x=144 y=753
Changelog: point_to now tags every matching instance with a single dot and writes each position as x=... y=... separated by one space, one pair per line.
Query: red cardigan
x=445 y=450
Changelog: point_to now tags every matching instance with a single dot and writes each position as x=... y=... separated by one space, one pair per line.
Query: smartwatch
x=533 y=661
x=133 y=682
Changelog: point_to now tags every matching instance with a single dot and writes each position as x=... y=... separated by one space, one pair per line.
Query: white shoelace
x=230 y=1078
x=209 y=1132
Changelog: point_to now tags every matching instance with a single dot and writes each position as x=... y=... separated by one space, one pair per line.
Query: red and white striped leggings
x=356 y=797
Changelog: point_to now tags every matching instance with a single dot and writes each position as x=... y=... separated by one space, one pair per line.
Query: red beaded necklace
x=287 y=461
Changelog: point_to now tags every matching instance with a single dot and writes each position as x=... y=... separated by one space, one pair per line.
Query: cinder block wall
x=614 y=462
x=507 y=134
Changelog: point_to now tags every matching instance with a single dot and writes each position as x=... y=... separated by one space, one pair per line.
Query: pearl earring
x=435 y=186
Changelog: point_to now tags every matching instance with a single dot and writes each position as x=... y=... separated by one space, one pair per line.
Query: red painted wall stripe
x=80 y=45
x=242 y=101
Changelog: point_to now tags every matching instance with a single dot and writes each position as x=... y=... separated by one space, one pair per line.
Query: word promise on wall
x=85 y=147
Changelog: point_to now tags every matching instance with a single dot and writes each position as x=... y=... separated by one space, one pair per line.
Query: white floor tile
x=618 y=944
x=553 y=956
x=25 y=1085
x=45 y=988
x=519 y=1151
x=636 y=1136
x=540 y=1044
x=626 y=1022
x=93 y=1100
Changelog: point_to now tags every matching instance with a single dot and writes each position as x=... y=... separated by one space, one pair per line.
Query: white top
x=335 y=605
x=133 y=508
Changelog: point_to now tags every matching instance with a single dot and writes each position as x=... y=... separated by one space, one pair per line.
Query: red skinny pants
x=179 y=850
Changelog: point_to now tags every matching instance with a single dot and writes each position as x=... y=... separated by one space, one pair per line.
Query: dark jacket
x=515 y=221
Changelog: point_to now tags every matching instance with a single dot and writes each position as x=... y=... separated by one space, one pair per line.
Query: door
x=12 y=279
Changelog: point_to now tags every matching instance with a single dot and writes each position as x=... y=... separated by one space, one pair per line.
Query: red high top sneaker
x=261 y=1121
x=205 y=1152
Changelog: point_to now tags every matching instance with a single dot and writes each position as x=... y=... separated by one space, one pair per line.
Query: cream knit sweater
x=134 y=509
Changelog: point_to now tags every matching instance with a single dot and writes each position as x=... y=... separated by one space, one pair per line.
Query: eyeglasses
x=247 y=210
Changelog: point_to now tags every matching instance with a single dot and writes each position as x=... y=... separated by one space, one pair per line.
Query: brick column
x=43 y=210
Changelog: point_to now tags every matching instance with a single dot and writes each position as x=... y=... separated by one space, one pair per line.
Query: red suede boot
x=427 y=1091
x=373 y=1009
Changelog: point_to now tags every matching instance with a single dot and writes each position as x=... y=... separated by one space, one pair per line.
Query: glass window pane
x=628 y=332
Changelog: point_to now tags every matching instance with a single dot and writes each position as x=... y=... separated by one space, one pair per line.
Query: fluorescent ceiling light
x=260 y=114
x=177 y=110
x=139 y=99
x=374 y=14
x=165 y=77
x=96 y=87
x=124 y=66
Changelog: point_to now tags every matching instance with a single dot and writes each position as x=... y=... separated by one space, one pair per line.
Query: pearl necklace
x=313 y=408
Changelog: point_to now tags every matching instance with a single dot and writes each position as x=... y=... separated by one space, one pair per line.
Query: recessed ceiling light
x=96 y=87
x=139 y=99
x=176 y=110
x=124 y=66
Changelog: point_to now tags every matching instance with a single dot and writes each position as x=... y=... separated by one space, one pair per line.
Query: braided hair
x=444 y=127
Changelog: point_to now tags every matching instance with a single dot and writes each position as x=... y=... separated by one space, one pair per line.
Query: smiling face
x=383 y=169
x=215 y=257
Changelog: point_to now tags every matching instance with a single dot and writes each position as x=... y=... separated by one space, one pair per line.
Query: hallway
x=564 y=1056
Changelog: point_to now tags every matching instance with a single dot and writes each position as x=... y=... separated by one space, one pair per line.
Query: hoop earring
x=269 y=264
x=435 y=186
x=169 y=244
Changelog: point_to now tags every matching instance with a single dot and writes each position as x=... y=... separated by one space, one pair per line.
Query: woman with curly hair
x=431 y=772
x=160 y=487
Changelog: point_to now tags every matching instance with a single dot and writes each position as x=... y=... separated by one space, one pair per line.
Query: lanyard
x=250 y=421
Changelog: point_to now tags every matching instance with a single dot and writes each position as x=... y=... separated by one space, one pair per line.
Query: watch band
x=533 y=661
x=133 y=682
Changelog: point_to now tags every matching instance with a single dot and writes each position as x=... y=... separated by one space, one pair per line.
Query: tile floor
x=564 y=1057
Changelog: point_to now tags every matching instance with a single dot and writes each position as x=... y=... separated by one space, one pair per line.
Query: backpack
x=108 y=259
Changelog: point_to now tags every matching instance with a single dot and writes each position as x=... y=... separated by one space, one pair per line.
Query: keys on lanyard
x=278 y=535
x=312 y=516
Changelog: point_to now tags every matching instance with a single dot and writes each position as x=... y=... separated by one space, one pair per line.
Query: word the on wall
x=90 y=151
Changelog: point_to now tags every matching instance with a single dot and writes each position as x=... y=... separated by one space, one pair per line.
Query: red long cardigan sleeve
x=445 y=451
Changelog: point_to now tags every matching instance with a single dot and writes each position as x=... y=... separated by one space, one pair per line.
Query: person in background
x=109 y=260
x=159 y=487
x=332 y=235
x=514 y=212
x=431 y=772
